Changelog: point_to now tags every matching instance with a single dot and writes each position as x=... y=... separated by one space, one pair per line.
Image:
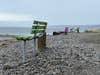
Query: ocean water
x=49 y=30
x=15 y=30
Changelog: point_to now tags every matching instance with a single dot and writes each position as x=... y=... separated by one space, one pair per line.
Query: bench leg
x=35 y=47
x=24 y=52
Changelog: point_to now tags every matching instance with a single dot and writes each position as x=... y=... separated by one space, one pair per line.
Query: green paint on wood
x=38 y=31
x=35 y=22
x=24 y=38
x=39 y=27
x=40 y=22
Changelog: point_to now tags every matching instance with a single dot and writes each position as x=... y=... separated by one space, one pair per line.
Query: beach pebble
x=64 y=55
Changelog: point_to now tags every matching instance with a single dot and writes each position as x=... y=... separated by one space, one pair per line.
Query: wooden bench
x=39 y=28
x=38 y=33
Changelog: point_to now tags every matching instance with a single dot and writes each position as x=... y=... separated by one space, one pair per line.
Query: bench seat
x=28 y=36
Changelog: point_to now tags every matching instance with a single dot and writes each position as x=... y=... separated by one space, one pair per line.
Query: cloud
x=15 y=17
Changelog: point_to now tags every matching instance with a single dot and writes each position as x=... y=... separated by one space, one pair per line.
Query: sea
x=50 y=29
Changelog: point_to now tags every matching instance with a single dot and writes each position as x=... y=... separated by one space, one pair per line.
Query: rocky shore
x=72 y=54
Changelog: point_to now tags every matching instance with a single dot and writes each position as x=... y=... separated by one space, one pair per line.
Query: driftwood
x=58 y=33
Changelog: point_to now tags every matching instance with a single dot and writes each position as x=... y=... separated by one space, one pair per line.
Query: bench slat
x=27 y=37
x=37 y=31
x=38 y=27
x=40 y=22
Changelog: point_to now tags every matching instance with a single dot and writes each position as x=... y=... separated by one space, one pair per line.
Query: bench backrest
x=39 y=27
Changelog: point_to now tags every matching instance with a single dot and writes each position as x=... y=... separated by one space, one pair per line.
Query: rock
x=65 y=55
x=98 y=73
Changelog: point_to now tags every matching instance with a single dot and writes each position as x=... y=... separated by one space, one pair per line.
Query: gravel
x=64 y=55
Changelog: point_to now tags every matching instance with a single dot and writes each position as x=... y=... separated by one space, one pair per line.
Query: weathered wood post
x=42 y=42
x=42 y=39
x=77 y=30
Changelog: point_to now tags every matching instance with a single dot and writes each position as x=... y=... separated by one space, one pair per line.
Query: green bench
x=38 y=30
x=38 y=34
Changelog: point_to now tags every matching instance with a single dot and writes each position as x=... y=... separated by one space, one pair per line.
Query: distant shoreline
x=50 y=29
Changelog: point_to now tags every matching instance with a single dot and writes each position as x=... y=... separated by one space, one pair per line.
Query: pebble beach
x=71 y=54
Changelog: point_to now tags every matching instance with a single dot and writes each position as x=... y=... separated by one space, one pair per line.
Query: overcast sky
x=55 y=12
